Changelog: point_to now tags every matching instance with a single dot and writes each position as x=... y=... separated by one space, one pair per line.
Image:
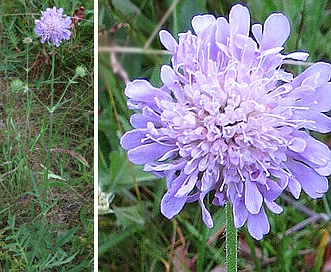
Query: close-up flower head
x=53 y=26
x=228 y=121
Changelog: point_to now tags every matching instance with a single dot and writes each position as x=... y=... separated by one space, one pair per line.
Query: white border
x=96 y=16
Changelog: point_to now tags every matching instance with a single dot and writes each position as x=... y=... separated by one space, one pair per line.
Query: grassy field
x=133 y=235
x=46 y=179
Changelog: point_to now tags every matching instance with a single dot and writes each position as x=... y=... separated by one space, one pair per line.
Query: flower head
x=80 y=71
x=16 y=85
x=230 y=122
x=27 y=40
x=53 y=26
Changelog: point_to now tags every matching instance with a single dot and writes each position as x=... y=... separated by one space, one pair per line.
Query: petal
x=315 y=76
x=170 y=205
x=312 y=120
x=188 y=185
x=315 y=151
x=258 y=224
x=168 y=76
x=322 y=99
x=222 y=30
x=312 y=183
x=276 y=30
x=220 y=198
x=294 y=187
x=201 y=22
x=142 y=90
x=326 y=170
x=138 y=120
x=240 y=212
x=206 y=217
x=322 y=123
x=133 y=138
x=174 y=166
x=148 y=153
x=273 y=206
x=297 y=145
x=239 y=19
x=253 y=197
x=168 y=40
x=248 y=55
x=274 y=189
x=257 y=32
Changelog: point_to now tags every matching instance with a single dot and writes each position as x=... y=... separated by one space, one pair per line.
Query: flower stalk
x=50 y=136
x=231 y=241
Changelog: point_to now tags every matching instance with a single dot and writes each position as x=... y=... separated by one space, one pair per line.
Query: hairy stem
x=231 y=241
x=50 y=137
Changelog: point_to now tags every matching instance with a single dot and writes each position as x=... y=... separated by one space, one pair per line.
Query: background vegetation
x=39 y=231
x=133 y=235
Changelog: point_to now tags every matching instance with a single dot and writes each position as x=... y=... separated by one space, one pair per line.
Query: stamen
x=264 y=168
x=240 y=174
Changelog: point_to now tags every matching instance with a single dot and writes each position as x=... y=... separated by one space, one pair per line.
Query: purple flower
x=53 y=26
x=230 y=121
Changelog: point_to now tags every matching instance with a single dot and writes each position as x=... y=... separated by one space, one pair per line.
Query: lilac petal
x=322 y=122
x=315 y=152
x=248 y=56
x=222 y=31
x=274 y=189
x=258 y=224
x=206 y=217
x=165 y=167
x=322 y=99
x=188 y=185
x=191 y=166
x=201 y=22
x=142 y=90
x=240 y=212
x=168 y=40
x=297 y=145
x=138 y=120
x=220 y=198
x=275 y=31
x=170 y=205
x=253 y=197
x=312 y=183
x=313 y=120
x=148 y=153
x=294 y=187
x=133 y=138
x=168 y=76
x=257 y=32
x=273 y=206
x=170 y=154
x=302 y=95
x=316 y=75
x=239 y=19
x=326 y=170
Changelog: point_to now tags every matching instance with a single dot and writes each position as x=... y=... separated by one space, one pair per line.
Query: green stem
x=27 y=64
x=50 y=138
x=231 y=241
x=201 y=250
x=27 y=92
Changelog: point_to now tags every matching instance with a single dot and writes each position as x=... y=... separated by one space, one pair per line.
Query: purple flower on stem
x=53 y=26
x=230 y=121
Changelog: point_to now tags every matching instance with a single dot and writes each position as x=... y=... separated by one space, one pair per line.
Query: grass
x=133 y=235
x=46 y=210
